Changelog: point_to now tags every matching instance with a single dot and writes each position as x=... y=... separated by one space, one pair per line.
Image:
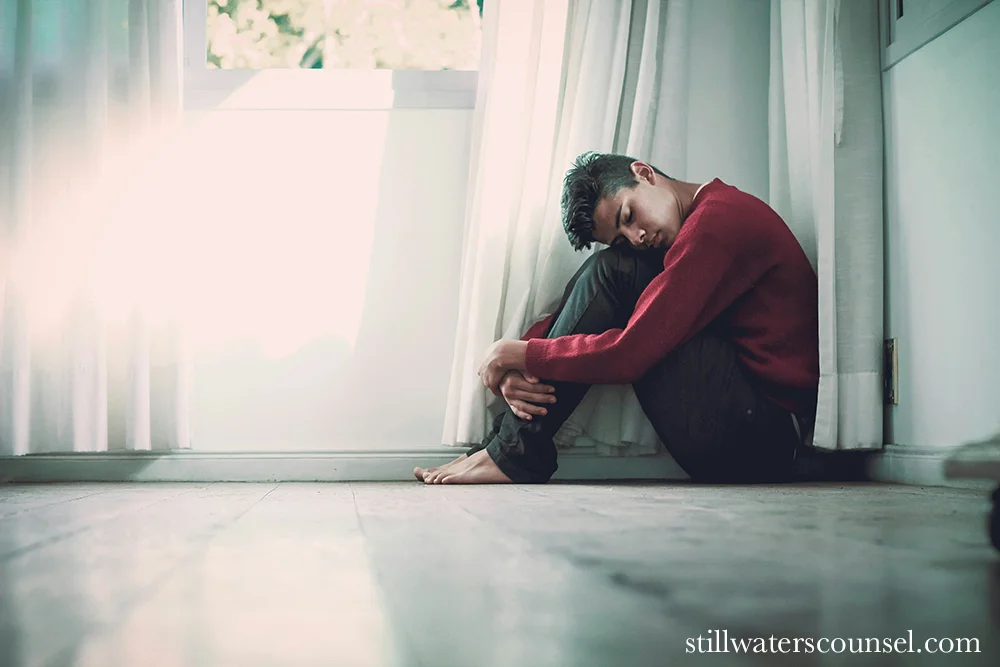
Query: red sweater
x=735 y=261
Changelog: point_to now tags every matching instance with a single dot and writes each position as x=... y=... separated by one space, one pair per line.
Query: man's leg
x=601 y=296
x=712 y=418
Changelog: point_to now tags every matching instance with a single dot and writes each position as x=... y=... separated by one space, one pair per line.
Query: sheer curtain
x=89 y=359
x=557 y=78
x=673 y=83
x=826 y=182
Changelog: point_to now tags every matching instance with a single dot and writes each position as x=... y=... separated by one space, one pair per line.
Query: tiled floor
x=401 y=574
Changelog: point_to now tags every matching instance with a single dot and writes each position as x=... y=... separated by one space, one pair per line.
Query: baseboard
x=921 y=466
x=341 y=466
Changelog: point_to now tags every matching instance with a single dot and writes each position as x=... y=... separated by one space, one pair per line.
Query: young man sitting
x=704 y=301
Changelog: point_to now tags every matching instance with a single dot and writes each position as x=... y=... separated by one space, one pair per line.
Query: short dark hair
x=592 y=177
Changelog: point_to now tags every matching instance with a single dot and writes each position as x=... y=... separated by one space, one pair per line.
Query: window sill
x=293 y=89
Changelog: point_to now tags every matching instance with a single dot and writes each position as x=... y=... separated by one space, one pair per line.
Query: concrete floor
x=566 y=574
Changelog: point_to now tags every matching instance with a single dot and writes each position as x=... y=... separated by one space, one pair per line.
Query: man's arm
x=701 y=278
x=508 y=355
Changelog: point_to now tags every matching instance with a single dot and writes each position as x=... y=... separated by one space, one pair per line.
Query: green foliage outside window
x=344 y=34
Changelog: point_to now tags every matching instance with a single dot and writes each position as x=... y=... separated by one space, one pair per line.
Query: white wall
x=942 y=139
x=328 y=254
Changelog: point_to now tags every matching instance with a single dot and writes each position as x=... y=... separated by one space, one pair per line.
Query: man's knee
x=613 y=269
x=626 y=271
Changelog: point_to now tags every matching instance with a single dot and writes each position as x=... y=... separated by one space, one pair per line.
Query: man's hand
x=504 y=355
x=525 y=394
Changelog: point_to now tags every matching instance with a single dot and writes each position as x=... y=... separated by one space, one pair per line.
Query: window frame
x=312 y=89
x=921 y=22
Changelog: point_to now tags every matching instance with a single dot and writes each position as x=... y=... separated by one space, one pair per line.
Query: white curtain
x=676 y=83
x=826 y=182
x=91 y=91
x=558 y=78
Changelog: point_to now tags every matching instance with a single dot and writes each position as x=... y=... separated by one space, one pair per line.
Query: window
x=356 y=34
x=315 y=54
x=906 y=25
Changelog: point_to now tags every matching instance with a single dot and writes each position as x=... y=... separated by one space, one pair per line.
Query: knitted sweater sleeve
x=700 y=279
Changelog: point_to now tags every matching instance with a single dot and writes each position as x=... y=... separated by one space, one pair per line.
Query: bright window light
x=343 y=34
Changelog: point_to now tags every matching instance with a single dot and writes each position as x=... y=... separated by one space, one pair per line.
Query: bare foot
x=419 y=472
x=476 y=469
x=433 y=474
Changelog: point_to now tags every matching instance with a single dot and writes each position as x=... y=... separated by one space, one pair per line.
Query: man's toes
x=455 y=476
x=437 y=477
x=421 y=473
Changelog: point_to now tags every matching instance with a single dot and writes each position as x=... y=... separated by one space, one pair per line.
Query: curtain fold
x=94 y=96
x=825 y=141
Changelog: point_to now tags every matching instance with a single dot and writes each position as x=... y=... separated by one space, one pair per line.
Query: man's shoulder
x=738 y=219
x=731 y=209
x=726 y=203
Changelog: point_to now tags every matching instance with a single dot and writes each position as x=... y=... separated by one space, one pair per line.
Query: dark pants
x=704 y=406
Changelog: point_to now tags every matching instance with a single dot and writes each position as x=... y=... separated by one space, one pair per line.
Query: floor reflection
x=402 y=574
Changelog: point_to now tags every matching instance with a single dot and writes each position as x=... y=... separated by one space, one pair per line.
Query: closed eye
x=621 y=241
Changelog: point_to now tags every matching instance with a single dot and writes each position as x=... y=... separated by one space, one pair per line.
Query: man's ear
x=643 y=171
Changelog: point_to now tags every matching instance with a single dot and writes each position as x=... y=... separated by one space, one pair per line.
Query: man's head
x=615 y=199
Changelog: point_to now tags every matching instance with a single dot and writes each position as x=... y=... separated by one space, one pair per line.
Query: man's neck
x=699 y=190
x=686 y=192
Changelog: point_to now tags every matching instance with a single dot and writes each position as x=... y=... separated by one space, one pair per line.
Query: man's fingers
x=529 y=377
x=492 y=377
x=492 y=384
x=531 y=396
x=537 y=399
x=525 y=410
x=532 y=388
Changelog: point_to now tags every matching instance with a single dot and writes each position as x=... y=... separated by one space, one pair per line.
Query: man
x=704 y=301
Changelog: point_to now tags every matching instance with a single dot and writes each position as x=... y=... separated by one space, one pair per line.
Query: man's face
x=646 y=216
